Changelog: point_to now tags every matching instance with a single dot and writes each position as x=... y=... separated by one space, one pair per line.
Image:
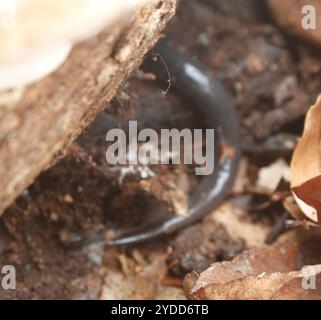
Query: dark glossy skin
x=193 y=82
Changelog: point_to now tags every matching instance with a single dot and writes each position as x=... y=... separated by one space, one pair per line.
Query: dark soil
x=272 y=83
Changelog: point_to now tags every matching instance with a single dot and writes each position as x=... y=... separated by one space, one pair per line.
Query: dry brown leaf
x=138 y=277
x=270 y=272
x=291 y=206
x=306 y=165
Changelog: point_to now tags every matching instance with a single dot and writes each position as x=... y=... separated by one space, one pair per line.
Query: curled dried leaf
x=306 y=165
x=270 y=272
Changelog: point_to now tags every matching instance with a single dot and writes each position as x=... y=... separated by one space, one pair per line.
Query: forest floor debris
x=272 y=84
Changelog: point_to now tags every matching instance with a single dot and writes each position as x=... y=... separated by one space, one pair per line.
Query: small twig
x=290 y=224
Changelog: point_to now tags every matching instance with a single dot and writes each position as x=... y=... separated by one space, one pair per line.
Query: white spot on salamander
x=195 y=74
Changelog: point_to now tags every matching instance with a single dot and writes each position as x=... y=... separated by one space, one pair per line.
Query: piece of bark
x=41 y=120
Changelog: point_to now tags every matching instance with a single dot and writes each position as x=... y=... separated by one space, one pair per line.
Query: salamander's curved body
x=193 y=82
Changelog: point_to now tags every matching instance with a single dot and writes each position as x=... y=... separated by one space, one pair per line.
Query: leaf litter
x=69 y=201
